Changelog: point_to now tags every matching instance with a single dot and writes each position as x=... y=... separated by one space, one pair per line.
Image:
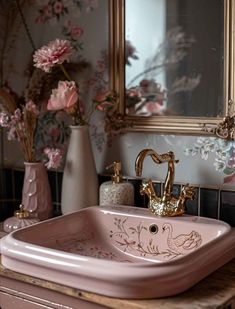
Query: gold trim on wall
x=165 y=124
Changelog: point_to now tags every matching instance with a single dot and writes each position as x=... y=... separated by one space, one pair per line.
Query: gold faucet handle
x=188 y=191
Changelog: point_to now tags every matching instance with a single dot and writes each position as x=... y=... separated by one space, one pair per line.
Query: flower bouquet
x=66 y=96
x=80 y=181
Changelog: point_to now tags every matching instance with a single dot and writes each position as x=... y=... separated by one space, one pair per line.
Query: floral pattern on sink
x=138 y=240
x=86 y=244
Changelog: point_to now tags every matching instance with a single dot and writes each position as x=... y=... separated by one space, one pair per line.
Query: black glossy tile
x=59 y=177
x=103 y=178
x=192 y=205
x=176 y=190
x=53 y=184
x=139 y=200
x=7 y=209
x=6 y=183
x=158 y=187
x=56 y=210
x=227 y=207
x=209 y=203
x=18 y=183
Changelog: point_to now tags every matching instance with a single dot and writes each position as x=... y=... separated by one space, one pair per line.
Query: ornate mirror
x=173 y=63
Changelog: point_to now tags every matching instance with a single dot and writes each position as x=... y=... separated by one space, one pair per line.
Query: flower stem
x=25 y=25
x=65 y=72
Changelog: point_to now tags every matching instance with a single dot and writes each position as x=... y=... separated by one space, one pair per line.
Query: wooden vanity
x=25 y=292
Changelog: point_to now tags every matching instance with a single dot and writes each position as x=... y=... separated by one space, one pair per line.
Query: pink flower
x=55 y=52
x=47 y=10
x=4 y=120
x=31 y=107
x=12 y=134
x=76 y=32
x=16 y=117
x=64 y=97
x=104 y=106
x=54 y=157
x=101 y=97
x=105 y=100
x=68 y=25
x=53 y=131
x=58 y=7
x=230 y=179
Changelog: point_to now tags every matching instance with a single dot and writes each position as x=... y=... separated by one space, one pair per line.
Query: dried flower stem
x=8 y=101
x=25 y=25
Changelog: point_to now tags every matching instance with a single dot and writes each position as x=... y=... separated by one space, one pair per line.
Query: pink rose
x=76 y=32
x=102 y=97
x=58 y=7
x=64 y=97
x=105 y=100
x=104 y=106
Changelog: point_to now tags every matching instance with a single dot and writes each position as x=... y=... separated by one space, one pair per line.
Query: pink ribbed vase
x=36 y=193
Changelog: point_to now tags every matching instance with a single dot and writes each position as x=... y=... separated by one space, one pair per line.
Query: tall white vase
x=80 y=179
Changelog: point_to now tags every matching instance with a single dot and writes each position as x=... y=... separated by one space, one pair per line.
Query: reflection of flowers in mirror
x=130 y=52
x=146 y=99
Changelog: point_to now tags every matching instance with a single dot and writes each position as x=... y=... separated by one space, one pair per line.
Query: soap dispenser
x=117 y=191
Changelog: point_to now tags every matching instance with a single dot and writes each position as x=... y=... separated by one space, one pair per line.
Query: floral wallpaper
x=224 y=161
x=67 y=19
x=203 y=160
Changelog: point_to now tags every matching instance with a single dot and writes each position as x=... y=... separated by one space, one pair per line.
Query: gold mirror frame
x=165 y=124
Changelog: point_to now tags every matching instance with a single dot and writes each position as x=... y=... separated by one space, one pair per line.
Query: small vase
x=80 y=180
x=36 y=194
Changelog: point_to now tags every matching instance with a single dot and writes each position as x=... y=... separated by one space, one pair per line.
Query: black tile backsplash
x=192 y=205
x=227 y=207
x=6 y=184
x=18 y=180
x=208 y=202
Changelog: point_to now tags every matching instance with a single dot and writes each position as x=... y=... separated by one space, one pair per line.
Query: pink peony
x=55 y=52
x=64 y=97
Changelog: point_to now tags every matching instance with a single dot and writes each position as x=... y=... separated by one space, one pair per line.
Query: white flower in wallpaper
x=223 y=150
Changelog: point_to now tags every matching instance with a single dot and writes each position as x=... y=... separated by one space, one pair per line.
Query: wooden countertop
x=215 y=291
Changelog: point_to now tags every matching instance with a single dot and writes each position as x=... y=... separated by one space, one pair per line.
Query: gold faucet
x=167 y=205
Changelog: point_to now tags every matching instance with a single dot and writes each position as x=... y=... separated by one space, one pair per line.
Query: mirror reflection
x=174 y=58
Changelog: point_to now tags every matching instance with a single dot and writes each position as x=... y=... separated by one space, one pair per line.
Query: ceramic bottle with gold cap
x=117 y=191
x=21 y=218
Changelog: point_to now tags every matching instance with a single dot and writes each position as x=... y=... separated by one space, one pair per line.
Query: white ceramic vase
x=36 y=193
x=80 y=179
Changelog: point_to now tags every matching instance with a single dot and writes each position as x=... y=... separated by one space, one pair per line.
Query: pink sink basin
x=121 y=251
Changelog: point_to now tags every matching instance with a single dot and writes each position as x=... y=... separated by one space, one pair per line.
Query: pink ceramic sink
x=121 y=251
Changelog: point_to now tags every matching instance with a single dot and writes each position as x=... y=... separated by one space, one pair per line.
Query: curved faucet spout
x=163 y=158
